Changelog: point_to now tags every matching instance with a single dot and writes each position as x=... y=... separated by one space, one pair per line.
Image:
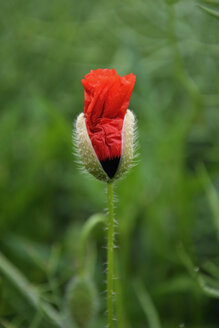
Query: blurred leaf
x=212 y=269
x=6 y=324
x=54 y=259
x=178 y=284
x=29 y=291
x=147 y=305
x=210 y=11
x=208 y=290
x=36 y=320
x=212 y=194
x=212 y=2
x=171 y=2
x=28 y=250
x=211 y=289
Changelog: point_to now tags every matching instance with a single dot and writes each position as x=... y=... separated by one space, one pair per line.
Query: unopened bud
x=82 y=301
x=105 y=131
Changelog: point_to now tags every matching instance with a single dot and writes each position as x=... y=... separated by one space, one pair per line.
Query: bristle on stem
x=110 y=257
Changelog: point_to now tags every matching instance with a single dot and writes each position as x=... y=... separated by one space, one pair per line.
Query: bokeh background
x=167 y=206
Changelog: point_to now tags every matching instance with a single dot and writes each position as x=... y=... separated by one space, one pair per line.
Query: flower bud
x=90 y=159
x=105 y=131
x=82 y=301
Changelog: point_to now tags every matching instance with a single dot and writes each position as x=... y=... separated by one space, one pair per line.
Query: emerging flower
x=105 y=131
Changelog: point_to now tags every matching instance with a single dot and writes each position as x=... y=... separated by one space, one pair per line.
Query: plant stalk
x=110 y=256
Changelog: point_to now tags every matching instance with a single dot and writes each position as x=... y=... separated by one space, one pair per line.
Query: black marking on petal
x=110 y=166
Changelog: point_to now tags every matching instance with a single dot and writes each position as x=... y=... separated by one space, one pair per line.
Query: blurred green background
x=168 y=205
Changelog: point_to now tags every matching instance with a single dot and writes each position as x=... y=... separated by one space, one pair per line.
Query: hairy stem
x=110 y=255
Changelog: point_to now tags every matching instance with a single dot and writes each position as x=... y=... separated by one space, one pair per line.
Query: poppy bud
x=105 y=131
x=82 y=301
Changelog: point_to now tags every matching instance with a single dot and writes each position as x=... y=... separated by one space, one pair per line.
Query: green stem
x=86 y=232
x=110 y=255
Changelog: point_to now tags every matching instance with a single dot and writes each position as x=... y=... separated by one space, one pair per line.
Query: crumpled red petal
x=106 y=101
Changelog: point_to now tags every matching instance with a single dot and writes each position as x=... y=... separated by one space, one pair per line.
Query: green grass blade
x=213 y=196
x=210 y=11
x=199 y=279
x=147 y=305
x=28 y=290
x=208 y=290
x=212 y=2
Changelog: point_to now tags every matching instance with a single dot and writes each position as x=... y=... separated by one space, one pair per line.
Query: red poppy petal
x=106 y=101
